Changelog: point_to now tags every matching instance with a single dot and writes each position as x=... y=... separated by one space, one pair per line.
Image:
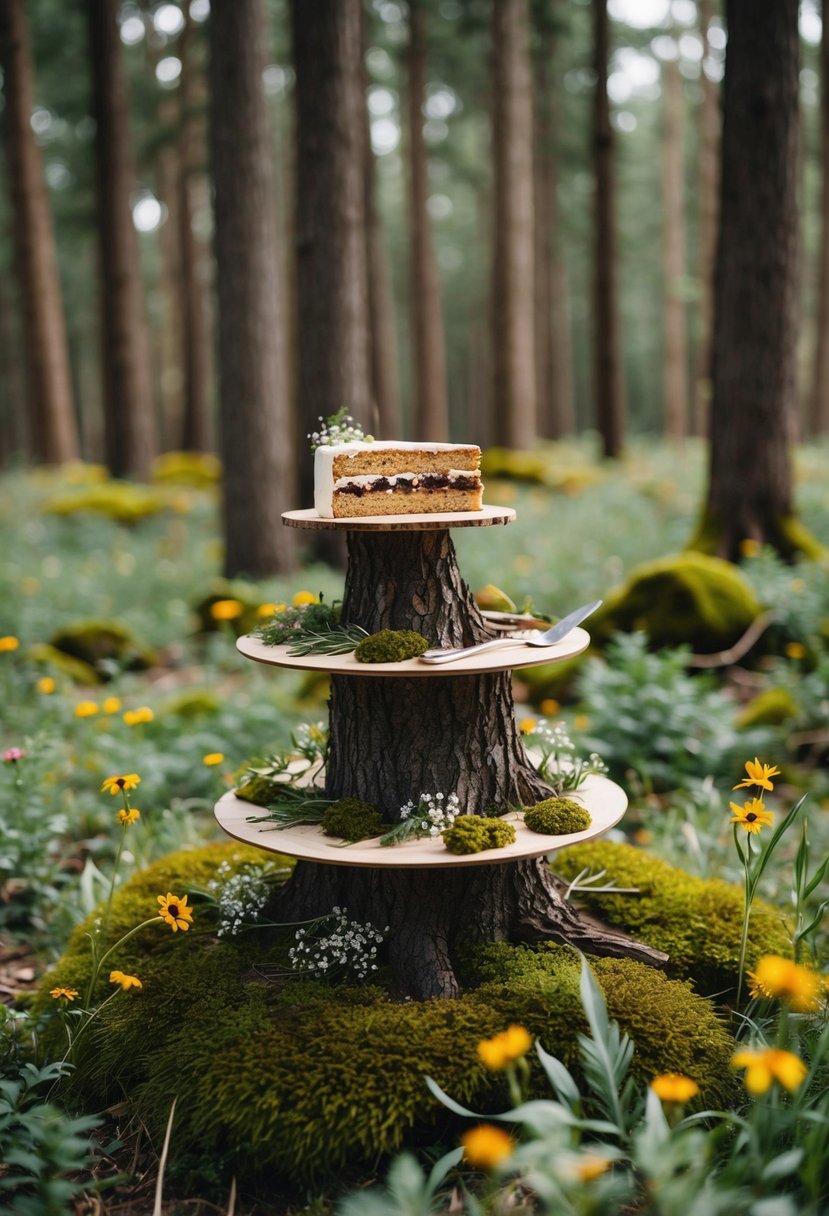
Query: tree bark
x=14 y=436
x=129 y=410
x=818 y=419
x=53 y=427
x=431 y=402
x=708 y=139
x=608 y=369
x=675 y=369
x=754 y=393
x=256 y=435
x=516 y=423
x=392 y=739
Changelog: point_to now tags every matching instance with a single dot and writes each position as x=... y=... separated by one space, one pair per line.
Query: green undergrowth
x=313 y=1081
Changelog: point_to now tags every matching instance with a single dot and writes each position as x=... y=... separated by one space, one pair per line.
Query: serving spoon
x=548 y=638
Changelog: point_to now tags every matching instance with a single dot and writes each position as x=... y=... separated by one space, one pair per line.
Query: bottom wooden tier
x=605 y=801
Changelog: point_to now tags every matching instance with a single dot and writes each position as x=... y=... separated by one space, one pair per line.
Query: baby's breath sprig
x=336 y=946
x=338 y=428
x=431 y=815
x=561 y=766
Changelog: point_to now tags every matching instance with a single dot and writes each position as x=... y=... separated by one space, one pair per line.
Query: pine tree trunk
x=392 y=739
x=819 y=404
x=675 y=370
x=516 y=424
x=257 y=445
x=708 y=140
x=53 y=428
x=14 y=436
x=754 y=391
x=608 y=368
x=129 y=410
x=431 y=403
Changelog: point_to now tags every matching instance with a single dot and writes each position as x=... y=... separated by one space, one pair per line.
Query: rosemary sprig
x=401 y=831
x=338 y=640
x=293 y=808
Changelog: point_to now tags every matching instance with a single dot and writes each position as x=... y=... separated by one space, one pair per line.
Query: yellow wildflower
x=266 y=610
x=591 y=1166
x=486 y=1146
x=86 y=709
x=550 y=706
x=45 y=685
x=769 y=1065
x=753 y=817
x=674 y=1087
x=111 y=705
x=304 y=597
x=8 y=643
x=758 y=774
x=749 y=547
x=175 y=912
x=281 y=608
x=63 y=994
x=795 y=650
x=504 y=1048
x=581 y=722
x=780 y=977
x=226 y=610
x=126 y=981
x=527 y=726
x=213 y=758
x=130 y=816
x=133 y=717
x=121 y=785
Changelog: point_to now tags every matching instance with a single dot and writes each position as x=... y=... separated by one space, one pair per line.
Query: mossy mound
x=196 y=470
x=686 y=599
x=547 y=466
x=308 y=1080
x=390 y=646
x=557 y=817
x=769 y=708
x=191 y=703
x=119 y=500
x=108 y=647
x=787 y=534
x=352 y=820
x=696 y=921
x=63 y=664
x=477 y=834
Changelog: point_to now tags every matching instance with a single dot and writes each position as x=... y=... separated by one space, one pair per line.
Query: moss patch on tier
x=557 y=817
x=390 y=646
x=476 y=834
x=352 y=820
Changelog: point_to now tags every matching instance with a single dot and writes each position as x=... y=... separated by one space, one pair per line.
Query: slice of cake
x=396 y=478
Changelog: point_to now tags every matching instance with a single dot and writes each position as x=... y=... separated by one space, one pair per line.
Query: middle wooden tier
x=507 y=658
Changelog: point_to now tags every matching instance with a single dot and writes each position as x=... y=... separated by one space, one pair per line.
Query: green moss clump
x=476 y=834
x=198 y=470
x=390 y=646
x=56 y=660
x=259 y=790
x=787 y=534
x=121 y=501
x=696 y=921
x=768 y=708
x=687 y=599
x=351 y=820
x=106 y=646
x=557 y=817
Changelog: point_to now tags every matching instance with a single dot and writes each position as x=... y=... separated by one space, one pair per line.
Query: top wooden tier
x=402 y=523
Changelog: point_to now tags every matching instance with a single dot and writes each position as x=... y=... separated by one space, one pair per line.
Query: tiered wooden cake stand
x=397 y=730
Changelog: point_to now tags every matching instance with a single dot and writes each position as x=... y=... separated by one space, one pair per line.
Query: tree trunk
x=708 y=139
x=129 y=411
x=256 y=441
x=608 y=369
x=53 y=429
x=332 y=305
x=754 y=396
x=675 y=370
x=819 y=405
x=14 y=437
x=431 y=403
x=516 y=424
x=392 y=739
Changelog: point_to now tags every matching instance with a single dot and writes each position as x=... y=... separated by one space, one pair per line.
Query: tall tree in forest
x=708 y=141
x=129 y=410
x=554 y=372
x=516 y=423
x=431 y=402
x=257 y=442
x=754 y=393
x=332 y=276
x=607 y=356
x=675 y=356
x=818 y=418
x=14 y=437
x=53 y=428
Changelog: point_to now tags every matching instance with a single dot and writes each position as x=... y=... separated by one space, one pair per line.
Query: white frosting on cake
x=324 y=465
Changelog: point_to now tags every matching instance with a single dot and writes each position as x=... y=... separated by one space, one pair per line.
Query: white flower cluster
x=348 y=946
x=561 y=765
x=434 y=812
x=240 y=897
x=339 y=428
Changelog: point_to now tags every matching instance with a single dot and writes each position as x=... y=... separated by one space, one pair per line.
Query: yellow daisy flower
x=749 y=547
x=63 y=994
x=795 y=650
x=130 y=816
x=111 y=705
x=126 y=981
x=86 y=709
x=550 y=706
x=674 y=1087
x=280 y=608
x=771 y=1064
x=134 y=717
x=226 y=610
x=121 y=785
x=8 y=643
x=304 y=597
x=780 y=977
x=175 y=912
x=527 y=726
x=266 y=610
x=504 y=1048
x=45 y=685
x=486 y=1146
x=213 y=758
x=758 y=774
x=753 y=817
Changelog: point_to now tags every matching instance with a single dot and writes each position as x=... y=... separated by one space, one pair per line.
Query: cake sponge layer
x=406 y=502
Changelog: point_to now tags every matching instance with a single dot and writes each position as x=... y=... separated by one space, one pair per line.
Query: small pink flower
x=13 y=754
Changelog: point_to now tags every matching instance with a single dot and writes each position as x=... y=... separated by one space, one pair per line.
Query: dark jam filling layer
x=425 y=481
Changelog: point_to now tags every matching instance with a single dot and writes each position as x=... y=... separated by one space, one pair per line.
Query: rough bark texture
x=675 y=366
x=129 y=411
x=255 y=425
x=431 y=402
x=608 y=368
x=818 y=419
x=392 y=739
x=753 y=406
x=516 y=423
x=708 y=143
x=14 y=437
x=53 y=428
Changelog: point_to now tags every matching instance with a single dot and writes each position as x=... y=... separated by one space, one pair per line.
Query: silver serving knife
x=548 y=638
